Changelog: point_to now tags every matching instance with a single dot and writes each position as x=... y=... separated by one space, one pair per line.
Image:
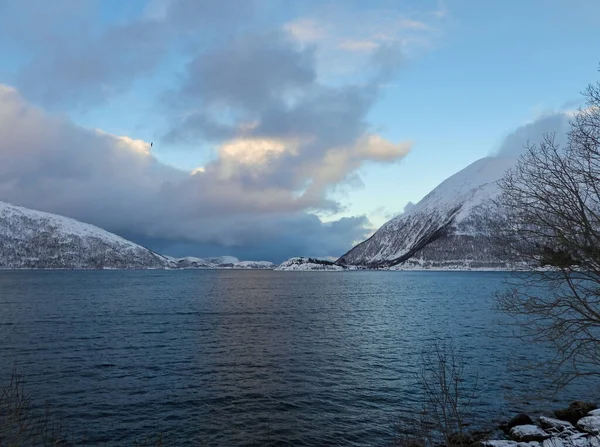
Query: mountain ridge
x=32 y=239
x=449 y=227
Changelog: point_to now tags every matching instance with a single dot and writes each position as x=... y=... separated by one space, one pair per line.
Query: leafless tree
x=447 y=403
x=551 y=224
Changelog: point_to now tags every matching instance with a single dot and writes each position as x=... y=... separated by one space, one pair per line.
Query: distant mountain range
x=448 y=229
x=308 y=265
x=32 y=239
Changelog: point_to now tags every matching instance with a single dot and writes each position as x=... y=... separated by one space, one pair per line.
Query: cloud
x=347 y=37
x=307 y=31
x=250 y=70
x=282 y=135
x=49 y=163
x=556 y=123
x=274 y=123
x=74 y=60
x=359 y=45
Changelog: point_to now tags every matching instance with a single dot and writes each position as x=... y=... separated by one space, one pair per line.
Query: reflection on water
x=246 y=357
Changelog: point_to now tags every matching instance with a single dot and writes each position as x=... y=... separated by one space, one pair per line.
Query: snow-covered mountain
x=34 y=239
x=221 y=262
x=264 y=265
x=307 y=264
x=190 y=262
x=448 y=228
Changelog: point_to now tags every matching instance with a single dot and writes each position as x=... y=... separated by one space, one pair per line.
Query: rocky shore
x=578 y=425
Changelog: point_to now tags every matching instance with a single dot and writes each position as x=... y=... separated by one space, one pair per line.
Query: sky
x=279 y=128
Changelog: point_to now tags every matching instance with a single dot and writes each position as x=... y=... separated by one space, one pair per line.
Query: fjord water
x=223 y=357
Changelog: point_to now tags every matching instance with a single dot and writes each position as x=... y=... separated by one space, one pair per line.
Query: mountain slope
x=447 y=228
x=34 y=239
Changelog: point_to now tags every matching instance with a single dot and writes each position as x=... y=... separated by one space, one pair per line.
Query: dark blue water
x=246 y=357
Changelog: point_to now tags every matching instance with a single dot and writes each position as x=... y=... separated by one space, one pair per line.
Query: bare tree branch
x=550 y=221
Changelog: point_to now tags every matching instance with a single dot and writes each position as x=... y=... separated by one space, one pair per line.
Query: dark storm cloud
x=302 y=235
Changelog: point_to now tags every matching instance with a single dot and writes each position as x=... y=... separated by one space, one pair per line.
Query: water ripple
x=244 y=357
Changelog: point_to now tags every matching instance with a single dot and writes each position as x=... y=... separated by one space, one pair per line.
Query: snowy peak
x=454 y=213
x=34 y=239
x=466 y=189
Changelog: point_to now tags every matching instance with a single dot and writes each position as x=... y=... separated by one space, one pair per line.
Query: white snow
x=568 y=438
x=556 y=424
x=575 y=440
x=528 y=433
x=590 y=424
x=595 y=412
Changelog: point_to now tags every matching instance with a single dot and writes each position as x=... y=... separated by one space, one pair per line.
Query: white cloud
x=126 y=143
x=256 y=151
x=306 y=31
x=345 y=37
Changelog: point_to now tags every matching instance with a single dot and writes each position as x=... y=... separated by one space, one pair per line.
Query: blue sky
x=307 y=117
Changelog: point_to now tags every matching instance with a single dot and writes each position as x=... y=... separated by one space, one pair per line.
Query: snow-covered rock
x=34 y=239
x=308 y=264
x=590 y=424
x=575 y=440
x=566 y=439
x=595 y=412
x=527 y=433
x=554 y=426
x=448 y=228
